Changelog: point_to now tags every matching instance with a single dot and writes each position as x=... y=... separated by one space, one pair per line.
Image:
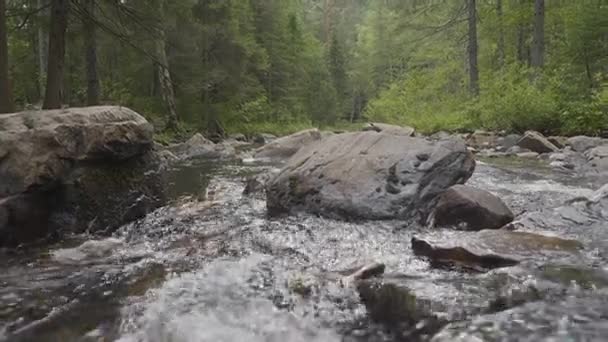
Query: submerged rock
x=74 y=169
x=536 y=142
x=471 y=209
x=489 y=249
x=459 y=257
x=369 y=175
x=390 y=129
x=287 y=146
x=399 y=310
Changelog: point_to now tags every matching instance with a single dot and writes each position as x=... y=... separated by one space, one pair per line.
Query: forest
x=276 y=66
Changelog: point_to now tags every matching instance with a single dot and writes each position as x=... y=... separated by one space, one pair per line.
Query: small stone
x=527 y=155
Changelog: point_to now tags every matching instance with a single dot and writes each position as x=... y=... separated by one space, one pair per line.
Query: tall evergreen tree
x=56 y=59
x=6 y=97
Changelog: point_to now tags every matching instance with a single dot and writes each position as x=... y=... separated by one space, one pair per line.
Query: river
x=211 y=266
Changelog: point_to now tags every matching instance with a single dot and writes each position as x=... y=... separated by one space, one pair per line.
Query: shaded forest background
x=281 y=65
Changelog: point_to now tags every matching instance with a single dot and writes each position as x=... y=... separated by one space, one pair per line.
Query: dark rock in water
x=472 y=208
x=389 y=129
x=583 y=143
x=398 y=309
x=490 y=249
x=369 y=175
x=287 y=146
x=536 y=142
x=74 y=170
x=22 y=216
x=459 y=257
x=513 y=299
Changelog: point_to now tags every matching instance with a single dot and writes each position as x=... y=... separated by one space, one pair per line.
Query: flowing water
x=211 y=266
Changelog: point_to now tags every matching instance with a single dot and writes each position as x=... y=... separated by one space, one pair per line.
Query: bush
x=510 y=101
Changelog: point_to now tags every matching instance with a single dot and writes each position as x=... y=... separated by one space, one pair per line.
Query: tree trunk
x=328 y=14
x=537 y=59
x=472 y=48
x=90 y=38
x=54 y=78
x=501 y=35
x=522 y=50
x=43 y=47
x=6 y=96
x=164 y=75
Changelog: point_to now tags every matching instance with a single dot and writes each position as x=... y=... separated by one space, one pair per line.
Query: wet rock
x=75 y=169
x=459 y=257
x=583 y=143
x=23 y=216
x=490 y=249
x=536 y=142
x=287 y=146
x=471 y=209
x=397 y=308
x=390 y=129
x=369 y=175
x=200 y=147
x=482 y=139
x=514 y=298
x=581 y=214
x=263 y=138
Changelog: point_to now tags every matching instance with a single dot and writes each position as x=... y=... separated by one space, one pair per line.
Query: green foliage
x=282 y=65
x=509 y=101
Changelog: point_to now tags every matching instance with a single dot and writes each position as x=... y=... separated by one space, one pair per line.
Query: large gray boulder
x=287 y=146
x=76 y=169
x=583 y=143
x=471 y=209
x=536 y=142
x=389 y=129
x=369 y=175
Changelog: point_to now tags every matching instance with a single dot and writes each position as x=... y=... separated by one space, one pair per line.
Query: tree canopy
x=278 y=65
